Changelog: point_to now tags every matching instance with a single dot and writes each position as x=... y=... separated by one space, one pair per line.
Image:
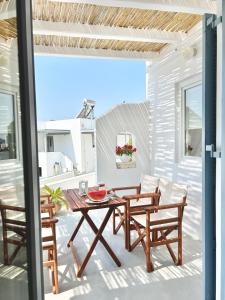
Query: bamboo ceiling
x=8 y=28
x=113 y=16
x=101 y=15
x=109 y=16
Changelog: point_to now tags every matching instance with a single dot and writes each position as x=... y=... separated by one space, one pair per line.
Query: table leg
x=99 y=233
x=75 y=231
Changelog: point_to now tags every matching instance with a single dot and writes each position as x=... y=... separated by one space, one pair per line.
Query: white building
x=65 y=146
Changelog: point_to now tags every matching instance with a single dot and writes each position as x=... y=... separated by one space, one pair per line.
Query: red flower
x=126 y=149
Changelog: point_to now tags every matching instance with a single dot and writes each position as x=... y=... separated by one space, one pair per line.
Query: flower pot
x=125 y=158
x=56 y=209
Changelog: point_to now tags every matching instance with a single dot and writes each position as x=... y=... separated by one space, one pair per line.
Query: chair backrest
x=172 y=192
x=149 y=184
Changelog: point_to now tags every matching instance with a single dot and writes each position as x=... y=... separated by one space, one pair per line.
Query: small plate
x=105 y=200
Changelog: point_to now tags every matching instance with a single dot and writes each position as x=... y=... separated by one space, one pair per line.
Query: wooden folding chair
x=49 y=244
x=146 y=194
x=14 y=232
x=161 y=221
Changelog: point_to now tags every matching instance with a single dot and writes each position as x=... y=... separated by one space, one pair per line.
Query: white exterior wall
x=11 y=171
x=47 y=161
x=130 y=117
x=88 y=152
x=64 y=144
x=73 y=145
x=41 y=142
x=164 y=93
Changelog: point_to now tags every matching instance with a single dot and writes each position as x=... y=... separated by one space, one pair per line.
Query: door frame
x=209 y=117
x=30 y=151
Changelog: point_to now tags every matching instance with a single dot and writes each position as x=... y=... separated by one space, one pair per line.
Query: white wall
x=47 y=162
x=68 y=144
x=41 y=141
x=76 y=145
x=64 y=144
x=88 y=152
x=163 y=91
x=130 y=117
x=11 y=171
x=69 y=180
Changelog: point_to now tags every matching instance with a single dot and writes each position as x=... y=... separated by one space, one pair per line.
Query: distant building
x=68 y=145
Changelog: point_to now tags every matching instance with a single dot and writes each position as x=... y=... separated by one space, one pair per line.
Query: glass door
x=20 y=259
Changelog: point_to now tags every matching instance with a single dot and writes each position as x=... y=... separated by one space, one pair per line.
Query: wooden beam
x=94 y=53
x=106 y=32
x=198 y=7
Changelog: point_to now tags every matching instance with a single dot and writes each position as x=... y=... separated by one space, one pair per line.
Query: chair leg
x=5 y=242
x=55 y=275
x=114 y=221
x=55 y=259
x=128 y=231
x=149 y=264
x=180 y=254
x=6 y=252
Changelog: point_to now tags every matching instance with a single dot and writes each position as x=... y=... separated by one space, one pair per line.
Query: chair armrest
x=166 y=206
x=47 y=206
x=125 y=188
x=140 y=196
x=48 y=221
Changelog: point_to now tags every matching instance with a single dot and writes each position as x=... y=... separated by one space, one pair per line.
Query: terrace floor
x=102 y=279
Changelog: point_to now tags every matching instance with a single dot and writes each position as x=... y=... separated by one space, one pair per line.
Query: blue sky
x=62 y=83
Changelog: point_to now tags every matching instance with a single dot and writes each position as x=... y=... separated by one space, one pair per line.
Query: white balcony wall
x=68 y=144
x=68 y=180
x=128 y=117
x=47 y=162
x=164 y=93
x=64 y=144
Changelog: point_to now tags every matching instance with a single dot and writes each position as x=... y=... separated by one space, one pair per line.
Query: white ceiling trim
x=199 y=7
x=93 y=53
x=106 y=32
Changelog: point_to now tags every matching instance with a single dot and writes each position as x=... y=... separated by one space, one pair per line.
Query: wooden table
x=77 y=203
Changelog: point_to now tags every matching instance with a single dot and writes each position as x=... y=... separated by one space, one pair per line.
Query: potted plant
x=57 y=197
x=125 y=152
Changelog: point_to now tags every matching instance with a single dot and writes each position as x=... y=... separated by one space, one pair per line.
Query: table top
x=78 y=203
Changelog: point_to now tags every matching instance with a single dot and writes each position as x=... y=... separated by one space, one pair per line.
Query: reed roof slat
x=113 y=16
x=8 y=28
x=95 y=43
